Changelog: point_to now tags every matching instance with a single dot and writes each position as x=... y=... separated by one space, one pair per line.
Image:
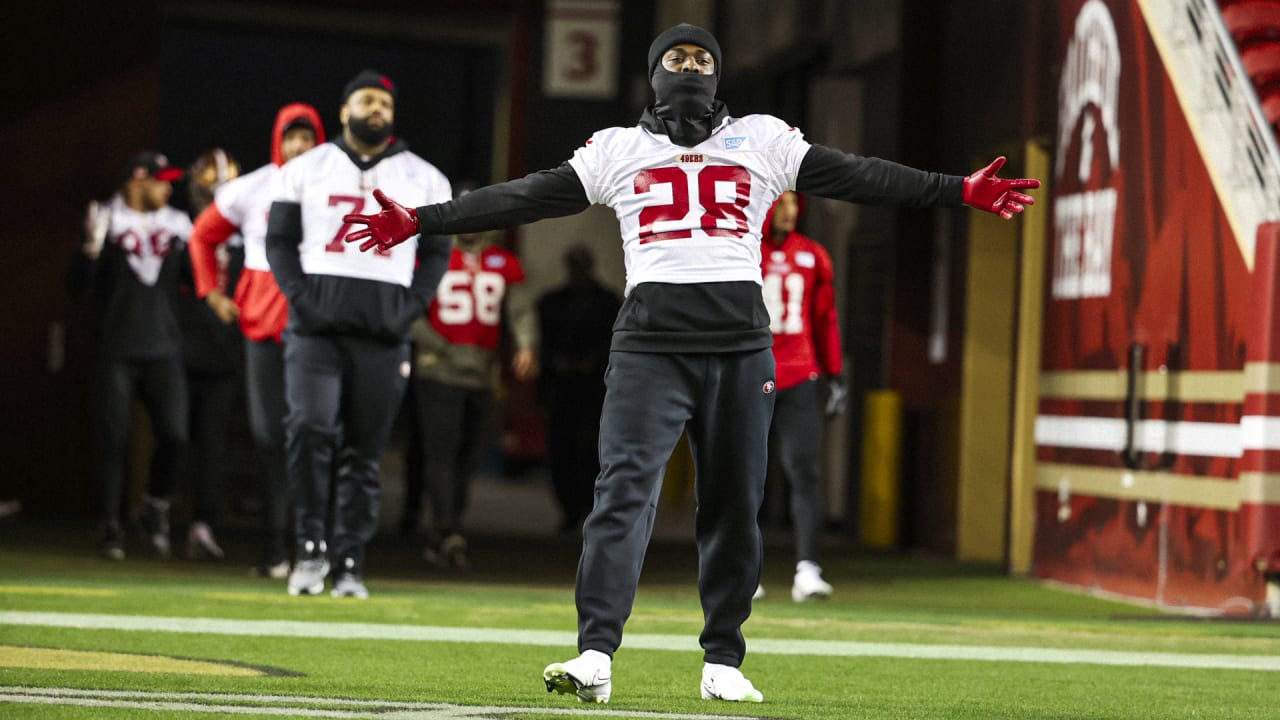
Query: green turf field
x=902 y=638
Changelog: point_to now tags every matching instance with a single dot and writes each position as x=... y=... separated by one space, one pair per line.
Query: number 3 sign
x=581 y=49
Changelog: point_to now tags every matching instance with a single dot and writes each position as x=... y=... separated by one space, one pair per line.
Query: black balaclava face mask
x=683 y=95
x=367 y=134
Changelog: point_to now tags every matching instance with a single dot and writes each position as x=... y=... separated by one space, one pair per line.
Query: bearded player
x=346 y=345
x=690 y=185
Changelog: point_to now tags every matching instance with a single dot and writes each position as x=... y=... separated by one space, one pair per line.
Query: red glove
x=384 y=230
x=985 y=191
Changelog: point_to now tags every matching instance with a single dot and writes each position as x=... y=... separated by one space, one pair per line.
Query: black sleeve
x=536 y=196
x=833 y=174
x=284 y=235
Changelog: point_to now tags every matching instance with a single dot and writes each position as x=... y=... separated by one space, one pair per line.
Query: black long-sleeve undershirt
x=829 y=173
x=558 y=192
x=536 y=196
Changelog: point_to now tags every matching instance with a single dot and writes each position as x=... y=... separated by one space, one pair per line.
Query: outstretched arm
x=840 y=176
x=537 y=196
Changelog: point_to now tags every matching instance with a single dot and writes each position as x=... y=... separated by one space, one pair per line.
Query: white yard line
x=316 y=707
x=568 y=641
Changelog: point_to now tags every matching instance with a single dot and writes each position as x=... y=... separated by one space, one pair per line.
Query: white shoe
x=278 y=571
x=759 y=593
x=201 y=543
x=721 y=682
x=588 y=676
x=808 y=584
x=310 y=571
x=349 y=585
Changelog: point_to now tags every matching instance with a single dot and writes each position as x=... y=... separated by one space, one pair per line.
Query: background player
x=241 y=206
x=346 y=349
x=576 y=321
x=799 y=294
x=456 y=363
x=211 y=352
x=130 y=263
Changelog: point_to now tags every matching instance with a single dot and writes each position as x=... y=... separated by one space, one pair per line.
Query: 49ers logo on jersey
x=145 y=252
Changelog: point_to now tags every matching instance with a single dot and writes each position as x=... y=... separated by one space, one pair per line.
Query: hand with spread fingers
x=385 y=229
x=985 y=191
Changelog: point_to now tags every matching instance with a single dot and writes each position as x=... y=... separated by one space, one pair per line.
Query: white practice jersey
x=245 y=202
x=329 y=185
x=146 y=237
x=692 y=215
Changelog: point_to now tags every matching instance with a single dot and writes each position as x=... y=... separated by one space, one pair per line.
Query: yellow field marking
x=43 y=590
x=53 y=659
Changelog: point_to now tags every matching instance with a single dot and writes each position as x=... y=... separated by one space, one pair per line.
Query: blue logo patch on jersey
x=733 y=143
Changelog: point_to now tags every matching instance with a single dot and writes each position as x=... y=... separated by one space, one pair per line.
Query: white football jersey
x=329 y=185
x=146 y=237
x=245 y=202
x=692 y=215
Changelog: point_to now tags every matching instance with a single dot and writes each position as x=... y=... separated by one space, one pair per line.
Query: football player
x=690 y=185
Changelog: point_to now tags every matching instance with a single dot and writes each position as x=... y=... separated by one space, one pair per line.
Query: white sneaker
x=310 y=571
x=278 y=571
x=721 y=682
x=349 y=585
x=808 y=584
x=201 y=543
x=588 y=676
x=759 y=593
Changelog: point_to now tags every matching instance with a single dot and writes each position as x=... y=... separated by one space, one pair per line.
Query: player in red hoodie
x=241 y=207
x=800 y=297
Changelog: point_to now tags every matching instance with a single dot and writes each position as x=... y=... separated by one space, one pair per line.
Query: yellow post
x=881 y=468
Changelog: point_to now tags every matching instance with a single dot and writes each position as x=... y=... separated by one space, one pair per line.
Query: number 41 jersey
x=692 y=215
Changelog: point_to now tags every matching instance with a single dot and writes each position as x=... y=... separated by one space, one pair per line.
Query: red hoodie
x=801 y=299
x=242 y=206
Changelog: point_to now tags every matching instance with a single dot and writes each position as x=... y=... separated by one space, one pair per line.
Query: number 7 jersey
x=692 y=215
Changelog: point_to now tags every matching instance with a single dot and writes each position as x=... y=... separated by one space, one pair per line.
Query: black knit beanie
x=369 y=78
x=678 y=35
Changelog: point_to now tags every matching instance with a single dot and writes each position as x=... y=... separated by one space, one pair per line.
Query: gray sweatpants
x=725 y=400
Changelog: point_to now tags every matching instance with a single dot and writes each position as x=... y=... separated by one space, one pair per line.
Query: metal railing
x=1236 y=140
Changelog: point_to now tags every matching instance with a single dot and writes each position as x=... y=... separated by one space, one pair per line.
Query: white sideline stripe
x=301 y=705
x=550 y=638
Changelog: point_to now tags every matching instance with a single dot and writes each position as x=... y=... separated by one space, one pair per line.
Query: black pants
x=212 y=396
x=795 y=441
x=450 y=432
x=343 y=395
x=573 y=440
x=161 y=385
x=264 y=389
x=725 y=401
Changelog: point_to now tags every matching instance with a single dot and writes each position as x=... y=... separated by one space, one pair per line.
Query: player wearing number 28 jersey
x=690 y=185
